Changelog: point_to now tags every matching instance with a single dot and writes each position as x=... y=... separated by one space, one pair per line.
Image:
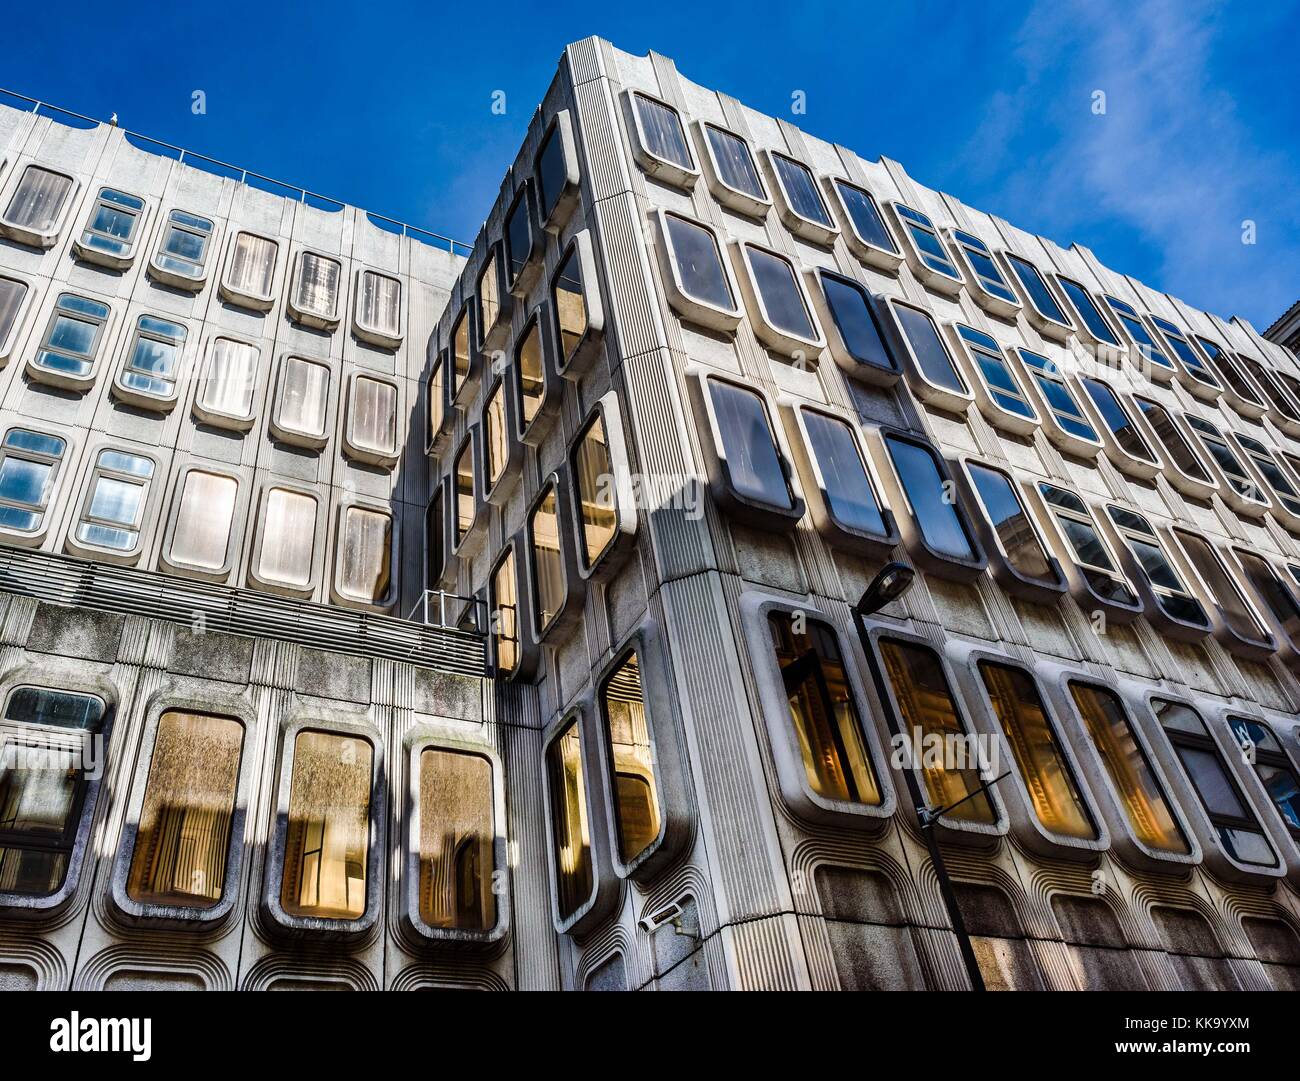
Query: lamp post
x=893 y=580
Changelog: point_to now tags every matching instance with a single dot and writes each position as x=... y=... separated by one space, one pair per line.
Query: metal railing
x=246 y=176
x=208 y=608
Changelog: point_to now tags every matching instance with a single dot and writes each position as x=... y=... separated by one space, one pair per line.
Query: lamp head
x=893 y=580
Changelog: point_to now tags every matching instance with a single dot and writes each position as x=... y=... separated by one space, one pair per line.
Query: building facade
x=1285 y=330
x=488 y=620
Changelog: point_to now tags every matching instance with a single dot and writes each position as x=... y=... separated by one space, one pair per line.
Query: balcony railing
x=207 y=608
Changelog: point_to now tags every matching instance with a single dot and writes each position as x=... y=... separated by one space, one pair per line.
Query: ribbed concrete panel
x=634 y=307
x=537 y=960
x=605 y=168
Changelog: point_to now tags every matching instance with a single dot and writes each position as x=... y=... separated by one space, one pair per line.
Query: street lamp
x=893 y=580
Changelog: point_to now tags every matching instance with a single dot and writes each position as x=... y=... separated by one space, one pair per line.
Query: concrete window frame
x=956 y=568
x=28 y=234
x=580 y=359
x=25 y=906
x=868 y=251
x=1117 y=600
x=233 y=292
x=1024 y=271
x=669 y=770
x=384 y=602
x=492 y=329
x=680 y=299
x=1236 y=721
x=208 y=413
x=983 y=289
x=741 y=507
x=259 y=538
x=948 y=282
x=96 y=245
x=572 y=589
x=1087 y=333
x=321 y=927
x=1131 y=324
x=183 y=271
x=1217 y=858
x=679 y=174
x=373 y=333
x=234 y=530
x=1195 y=487
x=567 y=198
x=1278 y=481
x=979 y=349
x=534 y=432
x=280 y=426
x=821 y=232
x=605 y=885
x=28 y=302
x=147 y=914
x=465 y=540
x=980 y=835
x=967 y=659
x=1198 y=377
x=622 y=542
x=78 y=307
x=440 y=417
x=1283 y=409
x=301 y=313
x=1239 y=390
x=820 y=502
x=802 y=349
x=61 y=465
x=527 y=652
x=1282 y=608
x=1056 y=679
x=1133 y=465
x=461 y=386
x=1246 y=496
x=523 y=277
x=1252 y=647
x=431 y=737
x=383 y=457
x=148 y=327
x=498 y=492
x=1002 y=568
x=949 y=399
x=440 y=567
x=1125 y=528
x=756 y=607
x=751 y=204
x=861 y=368
x=145 y=522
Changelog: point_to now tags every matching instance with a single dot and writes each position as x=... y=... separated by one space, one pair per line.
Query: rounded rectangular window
x=823 y=713
x=734 y=162
x=466 y=494
x=489 y=295
x=661 y=131
x=1091 y=555
x=288 y=540
x=112 y=227
x=1261 y=748
x=1137 y=331
x=1121 y=426
x=252 y=268
x=36 y=206
x=800 y=190
x=205 y=513
x=496 y=446
x=928 y=495
x=697 y=263
x=72 y=339
x=1179 y=345
x=929 y=248
x=855 y=319
x=1012 y=525
x=114 y=506
x=570 y=305
x=519 y=236
x=29 y=466
x=984 y=271
x=372 y=419
x=1224 y=805
x=303 y=400
x=1004 y=392
x=1239 y=481
x=1066 y=414
x=183 y=839
x=864 y=215
x=1088 y=311
x=227 y=390
x=41 y=810
x=928 y=350
x=552 y=171
x=315 y=291
x=570 y=829
x=593 y=473
x=1236 y=610
x=530 y=375
x=365 y=559
x=755 y=470
x=154 y=358
x=1041 y=298
x=456 y=842
x=930 y=717
x=632 y=766
x=1174 y=598
x=1171 y=439
x=505 y=614
x=549 y=587
x=12 y=294
x=1125 y=762
x=1058 y=804
x=379 y=305
x=780 y=294
x=460 y=352
x=850 y=495
x=183 y=250
x=1248 y=400
x=328 y=834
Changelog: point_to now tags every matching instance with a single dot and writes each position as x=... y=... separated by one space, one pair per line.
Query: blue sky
x=991 y=102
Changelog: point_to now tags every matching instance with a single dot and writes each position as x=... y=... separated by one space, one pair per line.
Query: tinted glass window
x=782 y=298
x=663 y=132
x=753 y=463
x=930 y=499
x=801 y=190
x=931 y=354
x=735 y=162
x=1088 y=311
x=865 y=216
x=632 y=764
x=855 y=320
x=848 y=489
x=1036 y=289
x=1007 y=515
x=1117 y=420
x=699 y=263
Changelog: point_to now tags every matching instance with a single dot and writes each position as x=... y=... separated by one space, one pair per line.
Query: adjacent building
x=484 y=617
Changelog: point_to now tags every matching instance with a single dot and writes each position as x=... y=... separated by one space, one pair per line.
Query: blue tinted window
x=930 y=499
x=1092 y=318
x=734 y=161
x=848 y=489
x=800 y=190
x=865 y=215
x=1036 y=288
x=854 y=318
x=931 y=354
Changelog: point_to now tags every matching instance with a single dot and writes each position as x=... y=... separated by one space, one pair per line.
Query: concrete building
x=487 y=620
x=1286 y=329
